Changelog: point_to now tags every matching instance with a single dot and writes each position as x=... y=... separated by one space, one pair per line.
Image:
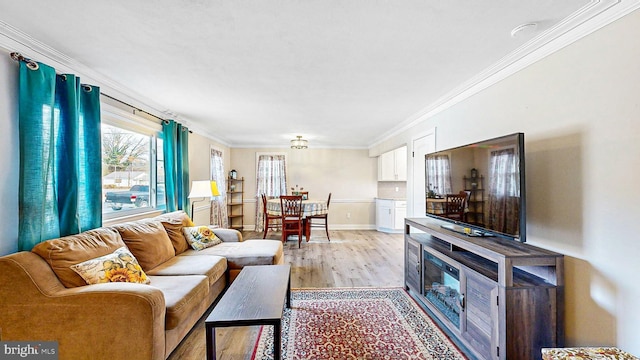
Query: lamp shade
x=203 y=189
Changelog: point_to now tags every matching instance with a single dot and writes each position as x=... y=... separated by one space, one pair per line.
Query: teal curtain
x=60 y=160
x=175 y=140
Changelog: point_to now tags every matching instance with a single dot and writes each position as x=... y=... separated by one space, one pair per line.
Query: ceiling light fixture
x=299 y=143
x=523 y=29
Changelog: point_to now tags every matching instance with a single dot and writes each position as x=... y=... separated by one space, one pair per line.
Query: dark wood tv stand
x=511 y=294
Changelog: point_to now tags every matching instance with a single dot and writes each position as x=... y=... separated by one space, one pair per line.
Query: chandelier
x=299 y=143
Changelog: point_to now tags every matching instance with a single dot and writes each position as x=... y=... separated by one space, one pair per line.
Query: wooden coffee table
x=256 y=297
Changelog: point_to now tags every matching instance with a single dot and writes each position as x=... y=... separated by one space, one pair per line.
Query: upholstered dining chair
x=454 y=206
x=270 y=221
x=324 y=222
x=291 y=210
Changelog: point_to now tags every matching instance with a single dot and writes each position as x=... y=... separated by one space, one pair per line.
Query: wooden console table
x=256 y=297
x=510 y=295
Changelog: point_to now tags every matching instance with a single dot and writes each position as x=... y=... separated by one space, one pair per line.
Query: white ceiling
x=341 y=73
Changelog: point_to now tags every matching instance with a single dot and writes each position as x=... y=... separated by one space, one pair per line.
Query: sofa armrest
x=228 y=235
x=114 y=320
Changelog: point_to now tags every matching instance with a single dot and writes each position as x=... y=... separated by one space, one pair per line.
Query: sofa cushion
x=119 y=266
x=148 y=241
x=210 y=265
x=64 y=252
x=173 y=223
x=246 y=253
x=183 y=295
x=201 y=237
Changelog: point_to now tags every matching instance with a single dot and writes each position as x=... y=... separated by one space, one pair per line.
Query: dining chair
x=324 y=222
x=291 y=210
x=270 y=221
x=467 y=197
x=454 y=206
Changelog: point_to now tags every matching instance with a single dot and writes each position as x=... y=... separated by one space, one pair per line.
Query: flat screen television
x=490 y=176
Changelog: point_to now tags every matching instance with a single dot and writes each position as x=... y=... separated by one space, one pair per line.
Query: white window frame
x=128 y=120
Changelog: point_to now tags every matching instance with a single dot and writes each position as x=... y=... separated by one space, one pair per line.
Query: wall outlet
x=348 y=215
x=397 y=189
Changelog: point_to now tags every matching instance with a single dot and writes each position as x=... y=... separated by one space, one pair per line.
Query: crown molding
x=13 y=39
x=591 y=17
x=287 y=147
x=588 y=19
x=207 y=134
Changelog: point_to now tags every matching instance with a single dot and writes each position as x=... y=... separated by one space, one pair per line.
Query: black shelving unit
x=475 y=185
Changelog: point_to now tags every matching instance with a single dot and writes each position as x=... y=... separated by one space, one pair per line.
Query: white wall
x=10 y=159
x=349 y=175
x=200 y=169
x=580 y=111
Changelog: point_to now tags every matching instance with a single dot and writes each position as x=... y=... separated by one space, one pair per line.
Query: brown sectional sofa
x=42 y=299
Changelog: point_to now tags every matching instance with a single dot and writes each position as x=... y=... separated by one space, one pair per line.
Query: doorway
x=422 y=145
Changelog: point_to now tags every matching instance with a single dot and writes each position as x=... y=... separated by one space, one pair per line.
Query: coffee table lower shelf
x=256 y=297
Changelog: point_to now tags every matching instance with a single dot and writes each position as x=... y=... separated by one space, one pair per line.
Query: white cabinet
x=390 y=215
x=392 y=165
x=384 y=214
x=400 y=157
x=386 y=166
x=399 y=213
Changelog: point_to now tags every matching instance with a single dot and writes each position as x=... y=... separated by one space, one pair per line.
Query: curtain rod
x=30 y=63
x=138 y=109
x=34 y=66
x=131 y=106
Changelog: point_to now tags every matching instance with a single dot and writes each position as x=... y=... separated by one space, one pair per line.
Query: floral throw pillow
x=119 y=266
x=201 y=237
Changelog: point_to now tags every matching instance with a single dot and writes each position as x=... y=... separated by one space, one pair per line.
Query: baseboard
x=331 y=227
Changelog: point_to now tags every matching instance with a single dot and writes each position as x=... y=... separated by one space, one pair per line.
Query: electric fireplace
x=442 y=287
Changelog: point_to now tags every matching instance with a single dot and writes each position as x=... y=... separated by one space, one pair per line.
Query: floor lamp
x=202 y=189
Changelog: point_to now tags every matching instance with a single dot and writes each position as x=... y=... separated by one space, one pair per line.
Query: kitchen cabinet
x=392 y=165
x=390 y=215
x=399 y=213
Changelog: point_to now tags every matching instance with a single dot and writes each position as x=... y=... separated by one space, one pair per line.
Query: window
x=271 y=180
x=503 y=173
x=438 y=169
x=271 y=175
x=219 y=211
x=504 y=190
x=132 y=168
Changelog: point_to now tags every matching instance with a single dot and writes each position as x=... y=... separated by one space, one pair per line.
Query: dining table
x=310 y=207
x=436 y=205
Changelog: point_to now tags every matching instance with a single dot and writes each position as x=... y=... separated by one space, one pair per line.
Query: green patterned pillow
x=201 y=237
x=119 y=266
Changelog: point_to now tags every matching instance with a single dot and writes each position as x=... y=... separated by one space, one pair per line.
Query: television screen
x=479 y=189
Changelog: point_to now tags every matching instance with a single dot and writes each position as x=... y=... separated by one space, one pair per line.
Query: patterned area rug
x=356 y=324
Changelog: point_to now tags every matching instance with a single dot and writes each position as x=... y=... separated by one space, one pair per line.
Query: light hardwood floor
x=352 y=259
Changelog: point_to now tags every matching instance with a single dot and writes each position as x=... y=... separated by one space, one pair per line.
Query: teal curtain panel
x=60 y=156
x=175 y=142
